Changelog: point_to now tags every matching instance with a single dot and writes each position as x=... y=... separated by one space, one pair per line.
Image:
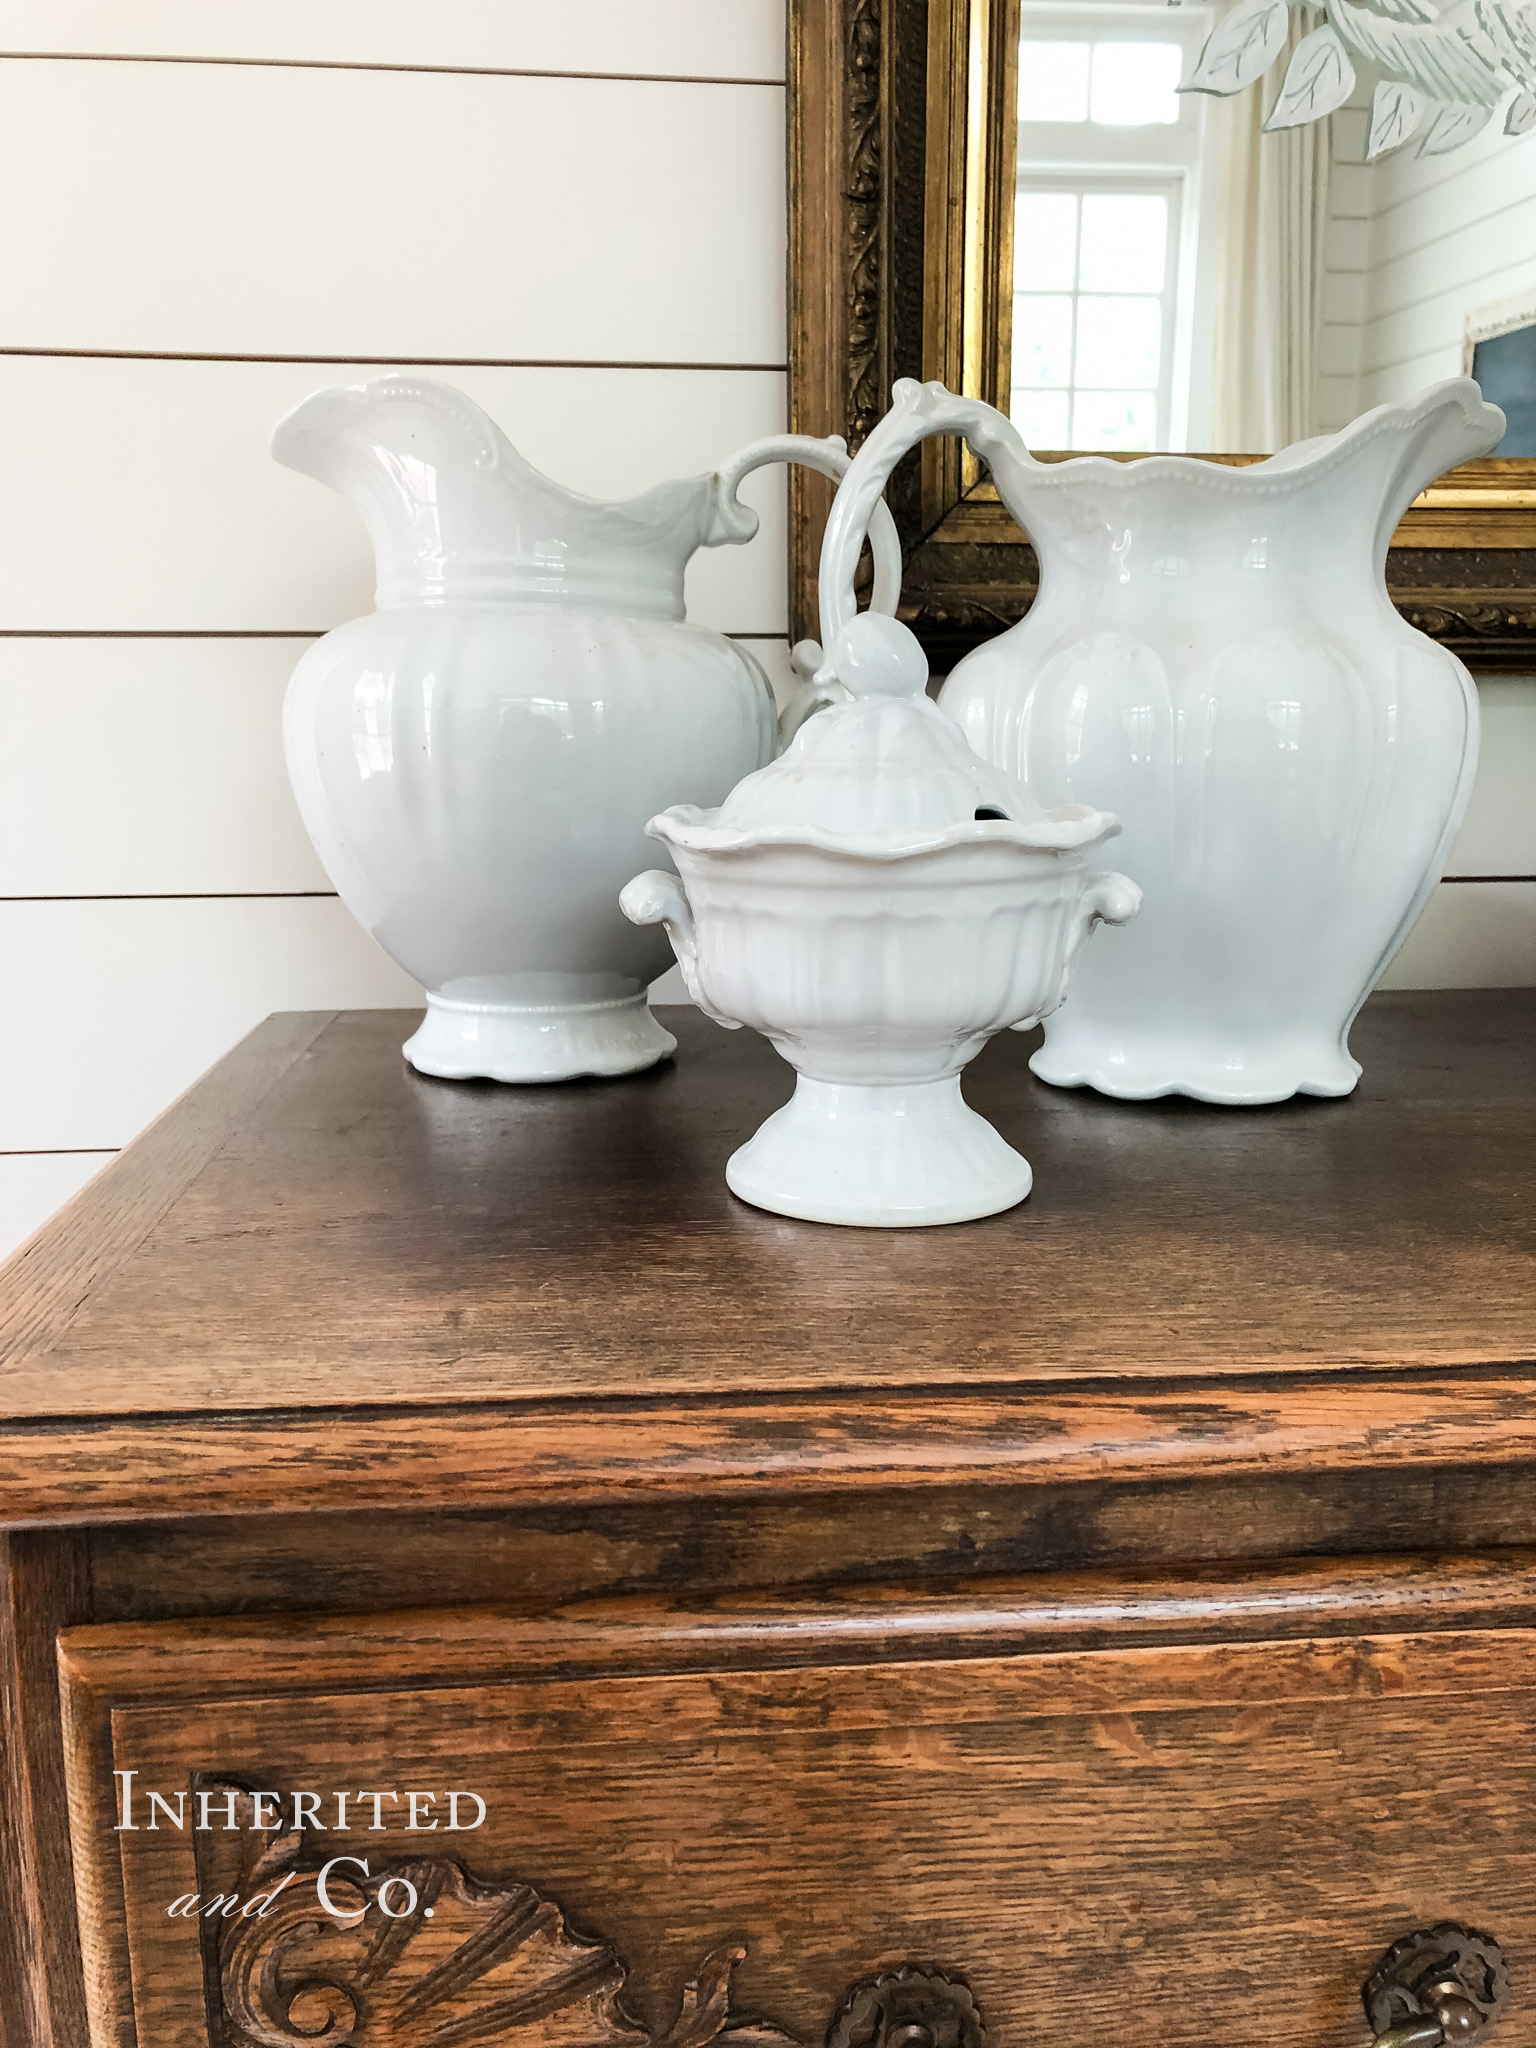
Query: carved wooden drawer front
x=1178 y=1841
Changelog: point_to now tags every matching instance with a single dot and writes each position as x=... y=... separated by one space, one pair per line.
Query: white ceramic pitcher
x=477 y=759
x=1213 y=657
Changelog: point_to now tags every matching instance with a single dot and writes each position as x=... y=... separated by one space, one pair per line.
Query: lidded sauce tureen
x=878 y=902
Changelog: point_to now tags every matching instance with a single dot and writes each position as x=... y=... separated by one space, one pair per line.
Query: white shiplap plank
x=1498 y=836
x=1401 y=383
x=155 y=767
x=259 y=210
x=682 y=38
x=1471 y=935
x=115 y=1007
x=1338 y=353
x=1348 y=243
x=1343 y=297
x=141 y=495
x=147 y=767
x=1350 y=191
x=1336 y=403
x=32 y=1186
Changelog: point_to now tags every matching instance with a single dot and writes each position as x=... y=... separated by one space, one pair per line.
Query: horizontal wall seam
x=162 y=632
x=227 y=633
x=183 y=896
x=59 y=1151
x=363 y=64
x=163 y=355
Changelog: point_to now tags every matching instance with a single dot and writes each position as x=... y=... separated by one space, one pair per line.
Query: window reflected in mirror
x=1185 y=278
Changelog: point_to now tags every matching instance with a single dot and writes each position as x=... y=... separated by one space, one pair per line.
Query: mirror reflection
x=1234 y=228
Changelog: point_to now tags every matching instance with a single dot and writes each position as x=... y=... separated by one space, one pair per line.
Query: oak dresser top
x=322 y=1280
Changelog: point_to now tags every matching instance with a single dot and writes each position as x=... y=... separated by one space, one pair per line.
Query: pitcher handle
x=1109 y=898
x=658 y=897
x=831 y=458
x=917 y=411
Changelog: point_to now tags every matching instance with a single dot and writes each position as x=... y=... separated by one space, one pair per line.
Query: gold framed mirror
x=905 y=185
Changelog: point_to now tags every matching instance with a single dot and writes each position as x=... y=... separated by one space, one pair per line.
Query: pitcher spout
x=456 y=515
x=1447 y=424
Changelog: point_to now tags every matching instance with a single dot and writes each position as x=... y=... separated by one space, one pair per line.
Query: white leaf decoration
x=1453 y=126
x=1320 y=78
x=1396 y=111
x=1511 y=34
x=1402 y=10
x=1242 y=48
x=1521 y=118
x=1446 y=63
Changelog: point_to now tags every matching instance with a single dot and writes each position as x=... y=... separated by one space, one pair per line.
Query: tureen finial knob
x=876 y=656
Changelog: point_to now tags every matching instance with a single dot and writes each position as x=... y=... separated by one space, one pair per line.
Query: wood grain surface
x=44 y=1586
x=358 y=1288
x=229 y=1565
x=270 y=1654
x=46 y=1283
x=1199 y=1835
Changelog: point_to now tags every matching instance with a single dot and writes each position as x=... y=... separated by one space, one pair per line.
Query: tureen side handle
x=658 y=897
x=1109 y=898
x=831 y=458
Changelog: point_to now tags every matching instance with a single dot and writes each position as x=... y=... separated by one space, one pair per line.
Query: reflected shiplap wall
x=1417 y=244
x=211 y=209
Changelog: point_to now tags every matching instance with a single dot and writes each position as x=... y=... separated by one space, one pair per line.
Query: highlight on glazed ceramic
x=475 y=761
x=1213 y=655
x=878 y=903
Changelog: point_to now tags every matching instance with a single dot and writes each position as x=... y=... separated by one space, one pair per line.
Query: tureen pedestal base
x=484 y=1041
x=878 y=1155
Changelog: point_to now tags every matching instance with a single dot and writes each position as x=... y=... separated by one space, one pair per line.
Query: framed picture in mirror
x=1213 y=229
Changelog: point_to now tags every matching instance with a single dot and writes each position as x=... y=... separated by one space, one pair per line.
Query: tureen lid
x=881 y=770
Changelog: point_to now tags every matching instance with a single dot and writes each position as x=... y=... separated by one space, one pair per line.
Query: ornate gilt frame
x=901 y=173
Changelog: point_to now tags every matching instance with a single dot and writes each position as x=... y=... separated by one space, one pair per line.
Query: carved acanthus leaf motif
x=1470 y=621
x=467 y=1965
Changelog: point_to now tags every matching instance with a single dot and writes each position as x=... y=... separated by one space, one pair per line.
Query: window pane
x=1114 y=419
x=1125 y=241
x=1053 y=81
x=1045 y=242
x=1118 y=342
x=1041 y=417
x=1134 y=83
x=1042 y=341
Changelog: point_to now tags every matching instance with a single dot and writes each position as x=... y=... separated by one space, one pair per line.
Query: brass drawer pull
x=1435 y=1988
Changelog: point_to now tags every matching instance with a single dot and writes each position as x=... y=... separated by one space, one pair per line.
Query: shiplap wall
x=577 y=212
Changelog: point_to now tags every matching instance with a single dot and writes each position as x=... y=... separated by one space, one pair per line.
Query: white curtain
x=1268 y=225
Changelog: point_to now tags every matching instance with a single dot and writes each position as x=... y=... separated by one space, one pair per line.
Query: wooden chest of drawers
x=468 y=1580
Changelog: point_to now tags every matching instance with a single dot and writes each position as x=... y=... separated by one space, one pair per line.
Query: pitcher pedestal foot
x=881 y=1156
x=482 y=1041
x=1245 y=1077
